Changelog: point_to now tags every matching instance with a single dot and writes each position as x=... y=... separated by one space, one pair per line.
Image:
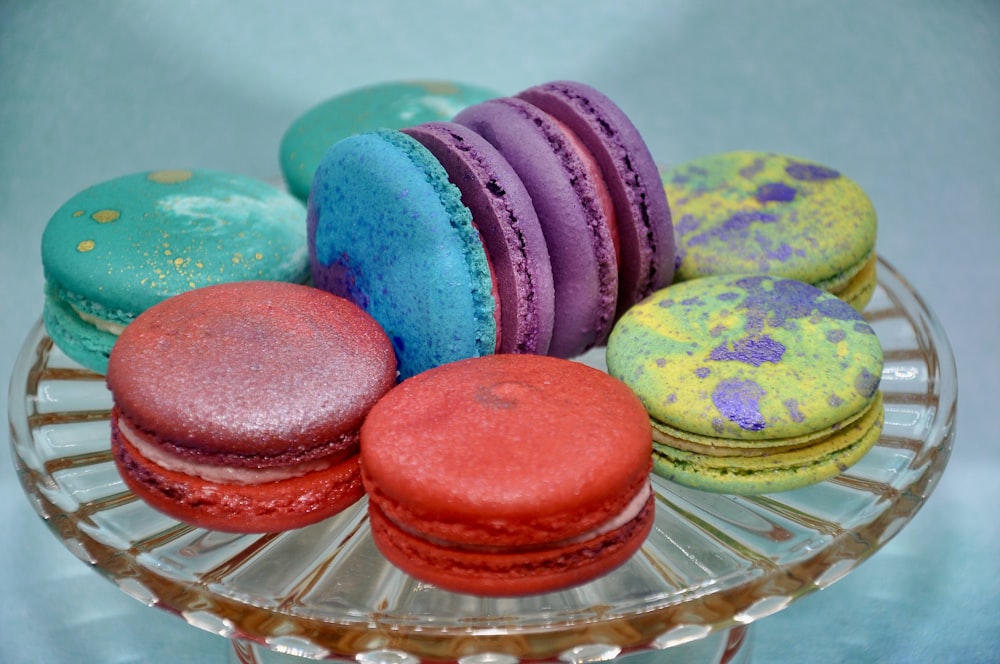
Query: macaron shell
x=251 y=373
x=121 y=246
x=392 y=105
x=511 y=574
x=644 y=222
x=80 y=341
x=260 y=508
x=765 y=213
x=752 y=358
x=388 y=231
x=503 y=213
x=506 y=450
x=781 y=471
x=584 y=269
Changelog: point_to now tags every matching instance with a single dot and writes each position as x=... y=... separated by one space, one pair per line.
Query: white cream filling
x=630 y=512
x=214 y=473
x=101 y=324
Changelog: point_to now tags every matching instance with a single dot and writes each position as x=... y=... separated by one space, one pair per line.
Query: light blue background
x=902 y=96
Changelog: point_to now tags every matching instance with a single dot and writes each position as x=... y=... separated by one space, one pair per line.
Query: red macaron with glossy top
x=237 y=407
x=508 y=475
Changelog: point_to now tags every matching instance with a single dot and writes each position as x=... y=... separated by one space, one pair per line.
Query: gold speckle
x=259 y=256
x=199 y=265
x=237 y=258
x=167 y=252
x=104 y=216
x=170 y=177
x=178 y=261
x=79 y=213
x=85 y=246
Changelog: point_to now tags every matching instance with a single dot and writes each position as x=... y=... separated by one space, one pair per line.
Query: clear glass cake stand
x=713 y=564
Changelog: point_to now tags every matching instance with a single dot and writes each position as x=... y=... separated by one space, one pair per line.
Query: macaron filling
x=224 y=474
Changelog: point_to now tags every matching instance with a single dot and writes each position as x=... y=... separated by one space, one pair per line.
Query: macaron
x=643 y=229
x=237 y=406
x=392 y=104
x=508 y=475
x=505 y=218
x=765 y=213
x=575 y=210
x=388 y=230
x=119 y=247
x=753 y=384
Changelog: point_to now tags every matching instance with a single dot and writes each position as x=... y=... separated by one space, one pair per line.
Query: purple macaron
x=506 y=220
x=645 y=231
x=567 y=200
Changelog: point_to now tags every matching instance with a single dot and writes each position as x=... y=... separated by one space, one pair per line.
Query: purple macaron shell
x=645 y=229
x=580 y=245
x=504 y=214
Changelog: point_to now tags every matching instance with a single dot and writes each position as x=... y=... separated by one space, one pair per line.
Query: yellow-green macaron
x=753 y=383
x=765 y=213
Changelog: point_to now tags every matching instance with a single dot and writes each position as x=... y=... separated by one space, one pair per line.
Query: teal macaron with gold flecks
x=390 y=105
x=121 y=246
x=753 y=383
x=766 y=213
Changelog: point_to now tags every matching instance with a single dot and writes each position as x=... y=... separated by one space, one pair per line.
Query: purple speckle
x=835 y=336
x=793 y=410
x=734 y=228
x=778 y=192
x=838 y=309
x=810 y=172
x=727 y=296
x=665 y=303
x=686 y=224
x=692 y=301
x=738 y=401
x=750 y=350
x=866 y=383
x=661 y=362
x=834 y=401
x=786 y=299
x=671 y=398
x=863 y=328
x=702 y=372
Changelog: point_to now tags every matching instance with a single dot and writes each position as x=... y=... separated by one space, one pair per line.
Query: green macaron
x=391 y=105
x=753 y=383
x=119 y=247
x=765 y=213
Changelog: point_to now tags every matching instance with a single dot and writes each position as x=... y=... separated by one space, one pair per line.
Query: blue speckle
x=793 y=410
x=702 y=372
x=838 y=309
x=863 y=328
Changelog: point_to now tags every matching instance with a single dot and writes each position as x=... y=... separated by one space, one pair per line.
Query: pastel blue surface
x=391 y=104
x=391 y=235
x=901 y=94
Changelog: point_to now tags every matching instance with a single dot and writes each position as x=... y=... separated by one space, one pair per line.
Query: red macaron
x=508 y=475
x=237 y=407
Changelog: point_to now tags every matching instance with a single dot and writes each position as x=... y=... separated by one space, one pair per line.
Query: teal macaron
x=753 y=383
x=119 y=247
x=393 y=105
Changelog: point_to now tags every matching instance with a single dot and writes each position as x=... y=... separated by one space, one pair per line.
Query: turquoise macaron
x=121 y=246
x=393 y=105
x=428 y=281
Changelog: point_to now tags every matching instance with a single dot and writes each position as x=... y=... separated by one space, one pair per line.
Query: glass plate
x=712 y=563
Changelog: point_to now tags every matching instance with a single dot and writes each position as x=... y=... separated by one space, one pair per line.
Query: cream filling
x=101 y=324
x=215 y=473
x=630 y=512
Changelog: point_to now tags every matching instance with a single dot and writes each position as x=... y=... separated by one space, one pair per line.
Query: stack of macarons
x=527 y=224
x=765 y=213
